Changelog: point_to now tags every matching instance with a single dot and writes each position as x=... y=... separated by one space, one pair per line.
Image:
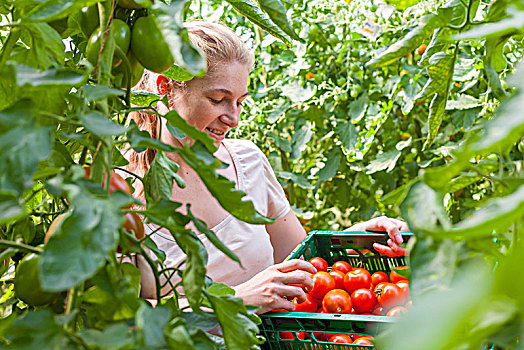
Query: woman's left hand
x=392 y=227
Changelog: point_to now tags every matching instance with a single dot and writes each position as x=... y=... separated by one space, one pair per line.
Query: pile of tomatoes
x=344 y=289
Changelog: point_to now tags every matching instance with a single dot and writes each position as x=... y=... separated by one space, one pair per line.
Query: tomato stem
x=20 y=246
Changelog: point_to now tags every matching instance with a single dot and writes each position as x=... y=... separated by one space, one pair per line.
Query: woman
x=213 y=104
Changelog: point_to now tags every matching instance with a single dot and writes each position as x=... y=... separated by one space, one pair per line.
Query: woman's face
x=213 y=103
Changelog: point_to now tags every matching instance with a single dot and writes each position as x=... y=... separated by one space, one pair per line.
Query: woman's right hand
x=268 y=288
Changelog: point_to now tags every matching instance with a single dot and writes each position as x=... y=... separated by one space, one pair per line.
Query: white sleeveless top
x=251 y=243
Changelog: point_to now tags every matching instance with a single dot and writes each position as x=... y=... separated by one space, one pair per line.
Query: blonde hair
x=220 y=45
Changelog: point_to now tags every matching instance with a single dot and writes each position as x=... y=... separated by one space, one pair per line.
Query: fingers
x=392 y=250
x=298 y=278
x=296 y=264
x=392 y=227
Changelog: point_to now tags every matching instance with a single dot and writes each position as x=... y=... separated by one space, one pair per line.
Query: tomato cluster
x=344 y=289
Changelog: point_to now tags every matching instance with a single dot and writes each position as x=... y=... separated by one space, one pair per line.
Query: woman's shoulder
x=243 y=149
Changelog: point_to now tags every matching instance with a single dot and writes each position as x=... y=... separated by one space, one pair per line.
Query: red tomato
x=116 y=182
x=319 y=263
x=289 y=335
x=363 y=300
x=341 y=338
x=339 y=278
x=303 y=335
x=389 y=295
x=394 y=277
x=356 y=279
x=363 y=341
x=361 y=336
x=307 y=306
x=397 y=311
x=341 y=266
x=379 y=276
x=404 y=287
x=379 y=311
x=337 y=301
x=132 y=223
x=323 y=283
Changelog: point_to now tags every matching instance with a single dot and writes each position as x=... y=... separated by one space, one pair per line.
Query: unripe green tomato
x=149 y=46
x=355 y=91
x=27 y=283
x=354 y=67
x=373 y=8
x=314 y=32
x=341 y=81
x=333 y=40
x=318 y=78
x=89 y=20
x=343 y=96
x=121 y=34
x=129 y=4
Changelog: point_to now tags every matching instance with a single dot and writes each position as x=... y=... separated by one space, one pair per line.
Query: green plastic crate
x=355 y=247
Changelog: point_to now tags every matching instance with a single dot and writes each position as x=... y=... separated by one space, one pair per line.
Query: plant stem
x=20 y=246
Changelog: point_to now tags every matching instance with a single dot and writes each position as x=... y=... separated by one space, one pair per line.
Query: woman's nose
x=231 y=118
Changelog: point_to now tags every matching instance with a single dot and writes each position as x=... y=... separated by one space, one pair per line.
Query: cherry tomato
x=379 y=276
x=379 y=311
x=363 y=341
x=337 y=301
x=389 y=295
x=341 y=338
x=363 y=300
x=397 y=311
x=356 y=279
x=116 y=182
x=339 y=278
x=132 y=223
x=404 y=287
x=394 y=277
x=319 y=263
x=307 y=306
x=28 y=287
x=323 y=283
x=341 y=266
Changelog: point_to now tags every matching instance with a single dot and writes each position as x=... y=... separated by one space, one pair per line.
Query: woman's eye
x=215 y=101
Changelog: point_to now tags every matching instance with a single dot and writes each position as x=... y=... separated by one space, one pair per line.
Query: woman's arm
x=285 y=234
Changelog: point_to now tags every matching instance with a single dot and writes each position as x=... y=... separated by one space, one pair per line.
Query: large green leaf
x=158 y=181
x=47 y=48
x=55 y=9
x=62 y=76
x=141 y=140
x=115 y=336
x=174 y=119
x=277 y=13
x=82 y=243
x=205 y=165
x=251 y=11
x=35 y=328
x=423 y=209
x=169 y=20
x=152 y=322
x=239 y=325
x=100 y=125
x=21 y=149
x=412 y=40
x=331 y=165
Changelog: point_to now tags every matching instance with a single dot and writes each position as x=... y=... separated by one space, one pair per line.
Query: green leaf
x=115 y=336
x=402 y=4
x=47 y=48
x=144 y=98
x=397 y=195
x=10 y=208
x=212 y=237
x=412 y=40
x=437 y=107
x=152 y=323
x=21 y=149
x=463 y=101
x=169 y=20
x=384 y=161
x=98 y=124
x=301 y=136
x=55 y=9
x=82 y=243
x=205 y=164
x=297 y=179
x=98 y=92
x=35 y=328
x=297 y=93
x=174 y=119
x=158 y=181
x=357 y=108
x=239 y=326
x=348 y=134
x=251 y=11
x=141 y=140
x=423 y=209
x=495 y=62
x=497 y=214
x=53 y=76
x=277 y=13
x=178 y=73
x=509 y=25
x=331 y=165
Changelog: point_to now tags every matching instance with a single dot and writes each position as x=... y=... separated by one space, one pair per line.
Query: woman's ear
x=162 y=84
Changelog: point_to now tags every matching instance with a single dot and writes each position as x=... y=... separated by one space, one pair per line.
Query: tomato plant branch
x=149 y=261
x=10 y=43
x=20 y=246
